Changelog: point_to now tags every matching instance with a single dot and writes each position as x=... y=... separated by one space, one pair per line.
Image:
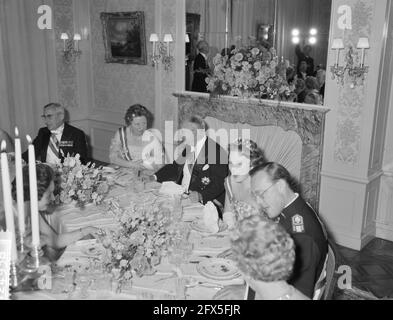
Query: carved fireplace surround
x=308 y=121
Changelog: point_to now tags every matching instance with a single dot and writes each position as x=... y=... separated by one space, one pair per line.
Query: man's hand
x=234 y=292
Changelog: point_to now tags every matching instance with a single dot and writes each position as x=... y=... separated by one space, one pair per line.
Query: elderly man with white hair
x=58 y=139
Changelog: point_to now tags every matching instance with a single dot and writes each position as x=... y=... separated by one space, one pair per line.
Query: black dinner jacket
x=73 y=140
x=200 y=74
x=208 y=174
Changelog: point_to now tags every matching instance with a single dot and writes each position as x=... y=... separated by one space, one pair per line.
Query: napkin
x=171 y=188
x=210 y=217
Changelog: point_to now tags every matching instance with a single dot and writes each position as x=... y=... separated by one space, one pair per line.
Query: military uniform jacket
x=310 y=238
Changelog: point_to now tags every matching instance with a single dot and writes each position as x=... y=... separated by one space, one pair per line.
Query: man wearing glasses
x=275 y=191
x=58 y=139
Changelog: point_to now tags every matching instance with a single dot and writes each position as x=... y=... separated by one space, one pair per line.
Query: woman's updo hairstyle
x=263 y=249
x=137 y=111
x=45 y=175
x=249 y=149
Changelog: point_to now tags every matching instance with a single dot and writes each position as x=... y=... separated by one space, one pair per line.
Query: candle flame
x=3 y=146
x=16 y=132
x=29 y=140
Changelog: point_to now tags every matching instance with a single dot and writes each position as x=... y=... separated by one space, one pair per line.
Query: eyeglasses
x=261 y=194
x=47 y=117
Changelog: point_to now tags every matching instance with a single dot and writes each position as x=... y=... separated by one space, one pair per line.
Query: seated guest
x=51 y=239
x=313 y=98
x=201 y=167
x=276 y=193
x=321 y=78
x=243 y=156
x=5 y=136
x=265 y=254
x=58 y=139
x=133 y=145
x=300 y=88
x=302 y=71
x=312 y=89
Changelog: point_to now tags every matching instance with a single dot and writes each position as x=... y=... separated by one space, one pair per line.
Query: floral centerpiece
x=83 y=184
x=250 y=73
x=144 y=236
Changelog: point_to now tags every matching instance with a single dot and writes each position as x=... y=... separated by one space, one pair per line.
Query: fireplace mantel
x=308 y=121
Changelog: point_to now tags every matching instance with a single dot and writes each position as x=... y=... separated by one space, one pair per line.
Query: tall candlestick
x=363 y=57
x=19 y=185
x=33 y=195
x=7 y=198
x=337 y=56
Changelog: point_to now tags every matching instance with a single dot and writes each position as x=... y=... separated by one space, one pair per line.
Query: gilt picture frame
x=124 y=37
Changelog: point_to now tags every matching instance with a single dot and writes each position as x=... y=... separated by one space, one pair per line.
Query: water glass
x=102 y=284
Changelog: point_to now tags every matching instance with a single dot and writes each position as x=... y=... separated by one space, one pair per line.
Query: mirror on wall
x=297 y=29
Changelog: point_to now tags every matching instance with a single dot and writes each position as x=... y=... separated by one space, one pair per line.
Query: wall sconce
x=71 y=49
x=355 y=72
x=162 y=51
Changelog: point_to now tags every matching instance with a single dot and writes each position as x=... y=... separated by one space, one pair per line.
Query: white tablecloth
x=161 y=285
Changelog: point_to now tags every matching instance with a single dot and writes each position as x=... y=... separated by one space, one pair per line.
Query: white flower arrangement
x=75 y=182
x=250 y=72
x=144 y=236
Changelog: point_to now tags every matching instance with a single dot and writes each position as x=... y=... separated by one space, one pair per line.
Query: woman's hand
x=137 y=164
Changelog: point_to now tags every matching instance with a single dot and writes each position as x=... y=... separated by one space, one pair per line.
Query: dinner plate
x=218 y=269
x=199 y=225
x=93 y=250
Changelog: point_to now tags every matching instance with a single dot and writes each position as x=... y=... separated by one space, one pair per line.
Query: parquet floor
x=372 y=268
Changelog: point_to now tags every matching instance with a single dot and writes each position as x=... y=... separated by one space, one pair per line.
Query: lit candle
x=7 y=198
x=19 y=184
x=33 y=195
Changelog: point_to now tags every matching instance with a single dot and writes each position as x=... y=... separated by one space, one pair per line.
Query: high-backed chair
x=326 y=284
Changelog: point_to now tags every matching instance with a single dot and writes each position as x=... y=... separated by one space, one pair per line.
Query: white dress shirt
x=186 y=172
x=51 y=158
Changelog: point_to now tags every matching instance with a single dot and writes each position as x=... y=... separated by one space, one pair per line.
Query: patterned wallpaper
x=66 y=72
x=351 y=101
x=118 y=86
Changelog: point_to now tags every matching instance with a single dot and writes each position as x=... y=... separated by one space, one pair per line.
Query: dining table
x=205 y=269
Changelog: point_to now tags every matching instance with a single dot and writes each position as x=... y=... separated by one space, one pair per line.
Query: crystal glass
x=102 y=284
x=84 y=283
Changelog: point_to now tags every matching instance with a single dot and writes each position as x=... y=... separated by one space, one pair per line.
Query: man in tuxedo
x=201 y=167
x=201 y=68
x=58 y=139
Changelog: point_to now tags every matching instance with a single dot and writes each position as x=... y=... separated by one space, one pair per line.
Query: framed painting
x=124 y=37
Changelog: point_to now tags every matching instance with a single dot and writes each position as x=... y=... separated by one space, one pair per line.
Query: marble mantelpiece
x=308 y=121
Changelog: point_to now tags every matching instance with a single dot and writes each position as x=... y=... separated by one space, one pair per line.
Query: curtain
x=28 y=74
x=213 y=24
